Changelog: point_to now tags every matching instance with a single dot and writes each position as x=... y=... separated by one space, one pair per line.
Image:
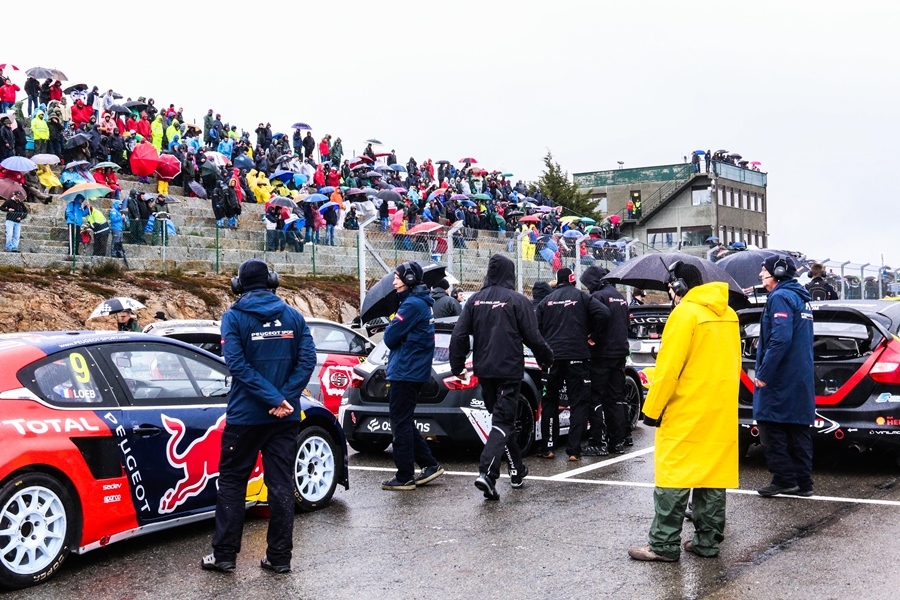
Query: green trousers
x=708 y=516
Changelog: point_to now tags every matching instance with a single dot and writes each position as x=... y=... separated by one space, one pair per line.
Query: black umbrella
x=515 y=213
x=744 y=266
x=209 y=168
x=116 y=96
x=136 y=105
x=389 y=195
x=282 y=201
x=118 y=108
x=651 y=271
x=381 y=300
x=383 y=185
x=442 y=162
x=198 y=189
x=77 y=140
x=78 y=86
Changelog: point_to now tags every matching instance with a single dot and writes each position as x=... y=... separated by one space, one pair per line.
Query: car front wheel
x=634 y=398
x=525 y=426
x=315 y=469
x=36 y=522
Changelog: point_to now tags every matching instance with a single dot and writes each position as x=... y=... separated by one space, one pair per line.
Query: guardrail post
x=361 y=257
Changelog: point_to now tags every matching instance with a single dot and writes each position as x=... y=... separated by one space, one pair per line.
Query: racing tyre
x=315 y=469
x=525 y=427
x=370 y=446
x=37 y=520
x=634 y=399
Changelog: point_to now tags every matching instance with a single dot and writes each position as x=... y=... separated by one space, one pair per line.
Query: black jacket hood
x=592 y=278
x=501 y=271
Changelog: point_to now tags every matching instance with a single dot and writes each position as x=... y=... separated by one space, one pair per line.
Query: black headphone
x=409 y=278
x=780 y=269
x=678 y=285
x=237 y=287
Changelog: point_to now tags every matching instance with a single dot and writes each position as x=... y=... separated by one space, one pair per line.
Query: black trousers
x=501 y=397
x=788 y=448
x=575 y=374
x=409 y=446
x=607 y=405
x=241 y=445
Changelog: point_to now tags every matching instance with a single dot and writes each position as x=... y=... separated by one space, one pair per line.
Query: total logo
x=889 y=421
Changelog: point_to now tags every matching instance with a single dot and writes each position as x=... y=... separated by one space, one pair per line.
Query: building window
x=762 y=203
x=728 y=236
x=701 y=196
x=661 y=239
x=695 y=236
x=745 y=204
x=720 y=192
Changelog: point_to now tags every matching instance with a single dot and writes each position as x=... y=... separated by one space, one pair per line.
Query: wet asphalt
x=564 y=535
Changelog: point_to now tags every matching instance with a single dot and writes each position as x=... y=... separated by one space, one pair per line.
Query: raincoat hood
x=263 y=304
x=540 y=290
x=592 y=278
x=713 y=296
x=501 y=271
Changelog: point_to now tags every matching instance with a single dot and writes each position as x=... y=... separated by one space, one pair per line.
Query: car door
x=338 y=350
x=172 y=420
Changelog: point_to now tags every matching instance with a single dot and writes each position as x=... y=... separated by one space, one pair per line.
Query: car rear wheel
x=370 y=446
x=36 y=523
x=315 y=469
x=525 y=426
x=634 y=397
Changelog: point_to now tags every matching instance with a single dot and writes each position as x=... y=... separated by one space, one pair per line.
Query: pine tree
x=556 y=185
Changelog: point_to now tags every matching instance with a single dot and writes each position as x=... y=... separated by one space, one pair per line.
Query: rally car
x=105 y=436
x=449 y=411
x=857 y=374
x=646 y=323
x=338 y=350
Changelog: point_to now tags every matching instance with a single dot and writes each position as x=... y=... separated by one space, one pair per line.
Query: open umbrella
x=572 y=233
x=120 y=109
x=81 y=87
x=530 y=219
x=315 y=198
x=193 y=126
x=372 y=174
x=301 y=127
x=373 y=141
x=651 y=271
x=570 y=219
x=78 y=139
x=328 y=205
x=482 y=197
x=354 y=191
x=282 y=201
x=8 y=187
x=45 y=159
x=44 y=73
x=282 y=175
x=209 y=168
x=514 y=213
x=382 y=168
x=468 y=160
x=744 y=266
x=9 y=65
x=442 y=162
x=18 y=163
x=436 y=193
x=115 y=305
x=369 y=191
x=700 y=152
x=388 y=195
x=752 y=162
x=400 y=190
x=198 y=189
x=76 y=163
x=381 y=299
x=614 y=219
x=712 y=238
x=426 y=227
x=103 y=165
x=244 y=162
x=135 y=105
x=398 y=168
x=217 y=157
x=144 y=159
x=459 y=197
x=328 y=189
x=468 y=203
x=88 y=190
x=169 y=166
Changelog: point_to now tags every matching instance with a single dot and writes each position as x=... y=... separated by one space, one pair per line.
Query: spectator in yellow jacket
x=156 y=130
x=41 y=132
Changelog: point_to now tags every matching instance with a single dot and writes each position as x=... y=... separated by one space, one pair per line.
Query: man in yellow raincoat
x=693 y=401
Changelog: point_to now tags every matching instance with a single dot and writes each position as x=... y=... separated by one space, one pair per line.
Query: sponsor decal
x=781 y=315
x=112 y=498
x=888 y=420
x=282 y=334
x=480 y=420
x=376 y=425
x=887 y=397
x=335 y=379
x=132 y=469
x=477 y=403
x=825 y=425
x=39 y=427
x=492 y=303
x=564 y=303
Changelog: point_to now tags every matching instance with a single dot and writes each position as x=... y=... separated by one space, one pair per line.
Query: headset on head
x=678 y=285
x=780 y=268
x=409 y=278
x=238 y=288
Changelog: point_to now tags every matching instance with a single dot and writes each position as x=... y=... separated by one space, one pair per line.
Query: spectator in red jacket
x=319 y=177
x=130 y=124
x=143 y=126
x=325 y=148
x=333 y=178
x=81 y=113
x=56 y=91
x=7 y=94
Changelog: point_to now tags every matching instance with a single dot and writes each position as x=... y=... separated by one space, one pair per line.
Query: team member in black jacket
x=499 y=319
x=608 y=354
x=567 y=318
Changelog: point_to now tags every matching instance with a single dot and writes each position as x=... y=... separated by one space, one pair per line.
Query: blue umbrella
x=315 y=198
x=301 y=126
x=277 y=135
x=19 y=163
x=547 y=254
x=300 y=179
x=244 y=162
x=712 y=238
x=370 y=174
x=572 y=233
x=326 y=206
x=326 y=162
x=467 y=203
x=700 y=152
x=282 y=175
x=435 y=194
x=326 y=190
x=398 y=168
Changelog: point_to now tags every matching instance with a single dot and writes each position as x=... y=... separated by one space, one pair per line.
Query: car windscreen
x=379 y=355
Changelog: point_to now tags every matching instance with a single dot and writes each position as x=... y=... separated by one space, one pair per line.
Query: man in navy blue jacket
x=784 y=398
x=271 y=356
x=410 y=338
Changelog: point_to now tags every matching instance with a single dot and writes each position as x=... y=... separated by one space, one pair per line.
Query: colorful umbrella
x=459 y=197
x=218 y=158
x=10 y=65
x=105 y=164
x=45 y=159
x=88 y=190
x=426 y=227
x=18 y=163
x=354 y=191
x=198 y=189
x=615 y=219
x=144 y=160
x=530 y=219
x=301 y=126
x=115 y=305
x=328 y=205
x=468 y=160
x=169 y=166
x=8 y=187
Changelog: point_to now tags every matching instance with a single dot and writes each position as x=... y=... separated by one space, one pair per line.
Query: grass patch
x=107 y=269
x=94 y=288
x=192 y=285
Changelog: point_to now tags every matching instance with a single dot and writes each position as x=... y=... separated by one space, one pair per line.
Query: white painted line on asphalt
x=557 y=479
x=601 y=464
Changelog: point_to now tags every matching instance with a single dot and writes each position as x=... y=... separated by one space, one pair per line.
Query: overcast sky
x=810 y=89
